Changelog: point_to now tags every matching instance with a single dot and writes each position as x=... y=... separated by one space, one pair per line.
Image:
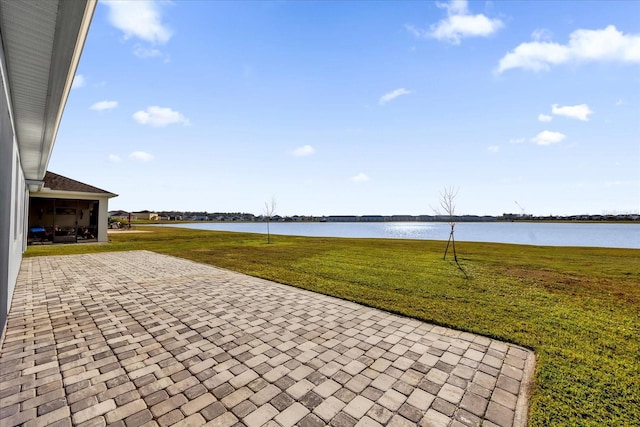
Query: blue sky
x=358 y=107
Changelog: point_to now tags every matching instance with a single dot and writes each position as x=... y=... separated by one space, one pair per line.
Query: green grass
x=578 y=308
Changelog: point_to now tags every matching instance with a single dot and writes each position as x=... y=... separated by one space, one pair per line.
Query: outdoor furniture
x=37 y=234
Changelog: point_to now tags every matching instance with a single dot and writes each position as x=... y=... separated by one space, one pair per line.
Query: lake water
x=527 y=233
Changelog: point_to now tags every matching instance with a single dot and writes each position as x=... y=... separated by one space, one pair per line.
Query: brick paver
x=138 y=338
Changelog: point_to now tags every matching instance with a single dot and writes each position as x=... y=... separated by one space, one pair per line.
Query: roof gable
x=57 y=182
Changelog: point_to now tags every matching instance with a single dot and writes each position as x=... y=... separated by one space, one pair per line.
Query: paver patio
x=138 y=338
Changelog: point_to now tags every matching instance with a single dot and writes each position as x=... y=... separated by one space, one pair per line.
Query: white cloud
x=544 y=118
x=361 y=177
x=146 y=52
x=78 y=81
x=159 y=116
x=455 y=7
x=104 y=105
x=141 y=156
x=541 y=35
x=392 y=95
x=139 y=18
x=516 y=141
x=580 y=112
x=606 y=45
x=114 y=159
x=458 y=24
x=494 y=148
x=620 y=102
x=150 y=52
x=534 y=56
x=456 y=27
x=548 y=137
x=305 y=150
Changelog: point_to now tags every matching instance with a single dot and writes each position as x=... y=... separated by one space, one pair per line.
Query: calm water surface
x=526 y=233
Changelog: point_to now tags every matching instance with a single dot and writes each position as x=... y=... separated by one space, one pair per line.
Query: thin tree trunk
x=268 y=234
x=452 y=241
x=448 y=242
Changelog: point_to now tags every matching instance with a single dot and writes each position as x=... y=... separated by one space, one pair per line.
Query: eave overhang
x=42 y=42
x=48 y=193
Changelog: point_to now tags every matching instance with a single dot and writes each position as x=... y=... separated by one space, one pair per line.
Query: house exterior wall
x=13 y=202
x=23 y=157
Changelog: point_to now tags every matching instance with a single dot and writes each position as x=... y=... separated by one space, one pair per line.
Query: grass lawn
x=577 y=308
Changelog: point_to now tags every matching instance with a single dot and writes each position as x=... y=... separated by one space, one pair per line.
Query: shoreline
x=559 y=234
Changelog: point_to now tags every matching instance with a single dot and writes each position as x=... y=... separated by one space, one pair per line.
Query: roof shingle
x=62 y=183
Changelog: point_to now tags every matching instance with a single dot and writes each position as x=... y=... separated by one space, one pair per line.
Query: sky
x=358 y=108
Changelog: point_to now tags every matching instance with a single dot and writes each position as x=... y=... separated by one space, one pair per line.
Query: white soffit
x=42 y=42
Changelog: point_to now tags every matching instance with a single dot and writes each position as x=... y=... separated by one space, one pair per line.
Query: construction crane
x=522 y=212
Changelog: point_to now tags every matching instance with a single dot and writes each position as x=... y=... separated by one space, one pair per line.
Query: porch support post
x=103 y=218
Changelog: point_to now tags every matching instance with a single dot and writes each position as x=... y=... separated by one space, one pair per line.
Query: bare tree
x=447 y=204
x=269 y=210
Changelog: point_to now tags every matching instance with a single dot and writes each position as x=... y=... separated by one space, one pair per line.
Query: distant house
x=152 y=216
x=132 y=216
x=67 y=211
x=121 y=215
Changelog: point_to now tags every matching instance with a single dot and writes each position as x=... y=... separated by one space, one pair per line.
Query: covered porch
x=67 y=211
x=62 y=220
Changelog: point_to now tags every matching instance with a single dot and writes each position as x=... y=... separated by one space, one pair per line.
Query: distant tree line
x=249 y=217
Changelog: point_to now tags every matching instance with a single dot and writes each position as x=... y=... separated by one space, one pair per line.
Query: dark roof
x=62 y=183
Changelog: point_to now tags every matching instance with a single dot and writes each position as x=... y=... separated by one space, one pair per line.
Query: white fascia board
x=57 y=194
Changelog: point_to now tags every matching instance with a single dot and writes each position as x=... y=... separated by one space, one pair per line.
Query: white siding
x=12 y=212
x=13 y=202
